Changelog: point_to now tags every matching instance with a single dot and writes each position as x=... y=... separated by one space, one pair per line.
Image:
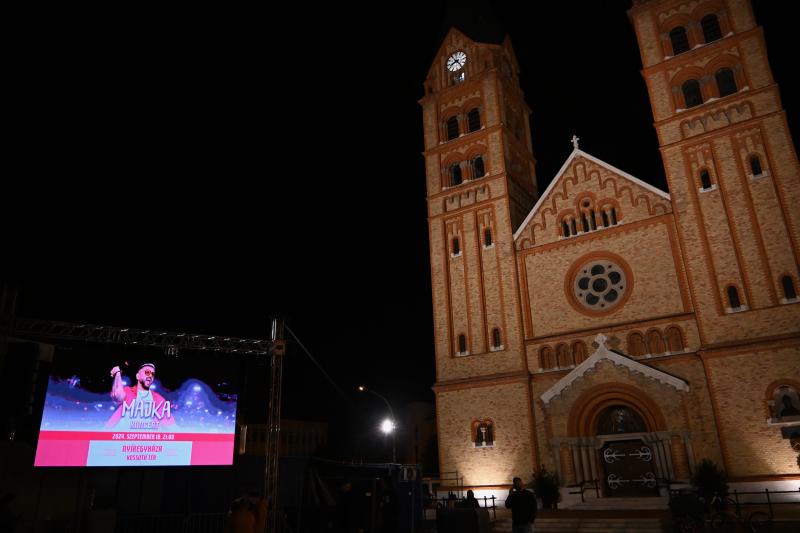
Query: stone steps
x=589 y=525
x=602 y=504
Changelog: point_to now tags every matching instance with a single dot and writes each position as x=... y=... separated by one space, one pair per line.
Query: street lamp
x=388 y=425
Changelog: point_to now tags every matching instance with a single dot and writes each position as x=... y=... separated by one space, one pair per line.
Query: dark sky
x=204 y=171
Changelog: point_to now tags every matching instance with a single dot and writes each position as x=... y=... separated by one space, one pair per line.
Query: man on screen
x=140 y=407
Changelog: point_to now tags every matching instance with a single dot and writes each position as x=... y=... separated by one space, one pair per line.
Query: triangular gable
x=602 y=353
x=575 y=154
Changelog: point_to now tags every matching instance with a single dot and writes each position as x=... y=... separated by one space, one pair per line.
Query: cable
x=330 y=380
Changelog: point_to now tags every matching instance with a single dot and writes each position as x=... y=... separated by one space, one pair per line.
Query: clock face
x=456 y=61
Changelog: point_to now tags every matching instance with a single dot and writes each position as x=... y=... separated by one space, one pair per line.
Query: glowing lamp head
x=361 y=388
x=387 y=426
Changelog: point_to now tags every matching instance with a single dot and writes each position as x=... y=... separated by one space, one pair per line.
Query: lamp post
x=388 y=425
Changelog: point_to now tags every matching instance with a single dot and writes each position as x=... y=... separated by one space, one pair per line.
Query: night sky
x=205 y=171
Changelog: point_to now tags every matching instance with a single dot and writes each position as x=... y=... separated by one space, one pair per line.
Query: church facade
x=602 y=328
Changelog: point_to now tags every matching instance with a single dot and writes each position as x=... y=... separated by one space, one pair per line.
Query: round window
x=599 y=285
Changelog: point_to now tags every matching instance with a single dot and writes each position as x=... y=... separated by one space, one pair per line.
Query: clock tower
x=480 y=186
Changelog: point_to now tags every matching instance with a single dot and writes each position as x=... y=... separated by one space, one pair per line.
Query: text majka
x=139 y=409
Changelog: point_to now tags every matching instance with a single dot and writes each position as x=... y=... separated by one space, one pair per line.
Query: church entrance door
x=629 y=467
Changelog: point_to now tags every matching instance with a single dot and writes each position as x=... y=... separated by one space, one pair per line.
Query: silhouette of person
x=470 y=502
x=788 y=409
x=241 y=519
x=522 y=503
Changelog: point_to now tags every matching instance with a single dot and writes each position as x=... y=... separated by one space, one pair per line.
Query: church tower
x=730 y=163
x=480 y=186
x=734 y=183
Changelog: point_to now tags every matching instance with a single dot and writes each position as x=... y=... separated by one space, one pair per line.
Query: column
x=567 y=468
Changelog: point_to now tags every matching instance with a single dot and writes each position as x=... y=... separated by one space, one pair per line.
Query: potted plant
x=545 y=485
x=710 y=480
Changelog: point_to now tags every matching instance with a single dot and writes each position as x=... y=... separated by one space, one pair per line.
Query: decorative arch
x=636 y=344
x=546 y=357
x=579 y=352
x=678 y=81
x=675 y=339
x=563 y=355
x=590 y=405
x=655 y=342
x=668 y=30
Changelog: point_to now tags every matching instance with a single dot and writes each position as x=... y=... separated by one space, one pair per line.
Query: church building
x=612 y=332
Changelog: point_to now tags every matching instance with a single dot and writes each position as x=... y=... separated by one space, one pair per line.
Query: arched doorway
x=629 y=463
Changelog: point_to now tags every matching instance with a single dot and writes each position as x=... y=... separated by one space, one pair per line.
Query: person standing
x=522 y=503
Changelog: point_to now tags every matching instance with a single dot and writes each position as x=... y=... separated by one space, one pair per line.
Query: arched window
x=573 y=226
x=785 y=402
x=655 y=342
x=711 y=29
x=452 y=128
x=620 y=419
x=497 y=341
x=705 y=179
x=584 y=222
x=462 y=343
x=483 y=433
x=613 y=216
x=487 y=237
x=733 y=297
x=674 y=340
x=755 y=165
x=455 y=174
x=606 y=223
x=726 y=83
x=562 y=356
x=679 y=40
x=478 y=169
x=691 y=93
x=636 y=346
x=592 y=221
x=564 y=227
x=474 y=119
x=546 y=359
x=456 y=246
x=579 y=352
x=789 y=291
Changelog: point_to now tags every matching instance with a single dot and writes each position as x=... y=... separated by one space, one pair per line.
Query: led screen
x=99 y=411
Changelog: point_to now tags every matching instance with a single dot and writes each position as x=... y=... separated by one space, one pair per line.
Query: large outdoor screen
x=105 y=411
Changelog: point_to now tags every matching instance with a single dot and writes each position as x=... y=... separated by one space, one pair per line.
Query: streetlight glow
x=387 y=426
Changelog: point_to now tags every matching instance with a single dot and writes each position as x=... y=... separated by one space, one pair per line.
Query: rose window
x=599 y=285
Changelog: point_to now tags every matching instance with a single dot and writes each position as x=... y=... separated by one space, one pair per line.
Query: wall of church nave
x=650 y=287
x=741 y=385
x=505 y=409
x=697 y=406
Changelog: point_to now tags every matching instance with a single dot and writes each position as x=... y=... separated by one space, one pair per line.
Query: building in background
x=604 y=328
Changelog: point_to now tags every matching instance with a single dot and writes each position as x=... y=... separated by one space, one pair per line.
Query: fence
x=453 y=502
x=171 y=523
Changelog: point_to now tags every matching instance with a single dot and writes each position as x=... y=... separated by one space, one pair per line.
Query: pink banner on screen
x=138 y=422
x=97 y=448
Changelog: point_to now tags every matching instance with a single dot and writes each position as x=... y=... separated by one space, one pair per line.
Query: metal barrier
x=592 y=484
x=488 y=502
x=171 y=523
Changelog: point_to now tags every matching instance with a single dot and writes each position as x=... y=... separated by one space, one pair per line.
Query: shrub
x=545 y=484
x=710 y=480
